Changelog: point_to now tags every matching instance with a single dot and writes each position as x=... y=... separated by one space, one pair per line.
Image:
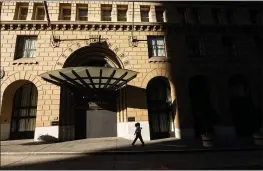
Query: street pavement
x=115 y=144
x=117 y=153
x=163 y=161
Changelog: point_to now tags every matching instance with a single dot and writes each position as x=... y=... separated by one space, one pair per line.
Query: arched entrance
x=159 y=107
x=24 y=112
x=85 y=112
x=91 y=81
x=245 y=117
x=204 y=115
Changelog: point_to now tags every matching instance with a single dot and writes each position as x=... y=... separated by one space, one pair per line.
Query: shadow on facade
x=202 y=67
x=133 y=101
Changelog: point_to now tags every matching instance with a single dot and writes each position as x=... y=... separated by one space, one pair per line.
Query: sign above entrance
x=90 y=77
x=96 y=38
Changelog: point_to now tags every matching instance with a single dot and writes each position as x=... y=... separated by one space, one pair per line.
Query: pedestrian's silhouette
x=138 y=134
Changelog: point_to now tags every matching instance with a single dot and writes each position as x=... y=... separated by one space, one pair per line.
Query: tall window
x=259 y=41
x=216 y=15
x=254 y=16
x=24 y=112
x=194 y=46
x=229 y=45
x=82 y=12
x=230 y=16
x=183 y=15
x=156 y=46
x=159 y=14
x=259 y=44
x=39 y=12
x=21 y=11
x=65 y=11
x=26 y=47
x=195 y=15
x=106 y=12
x=145 y=10
x=122 y=12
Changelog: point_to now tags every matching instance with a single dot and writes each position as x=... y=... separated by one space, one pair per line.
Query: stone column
x=114 y=13
x=73 y=12
x=184 y=124
x=152 y=14
x=30 y=11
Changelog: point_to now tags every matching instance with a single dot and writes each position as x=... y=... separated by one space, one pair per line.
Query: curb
x=129 y=152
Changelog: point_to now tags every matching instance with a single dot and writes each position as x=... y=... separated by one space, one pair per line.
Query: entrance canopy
x=90 y=77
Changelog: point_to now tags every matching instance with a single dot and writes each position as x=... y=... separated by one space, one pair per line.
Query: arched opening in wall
x=24 y=109
x=89 y=112
x=159 y=107
x=203 y=112
x=93 y=56
x=245 y=117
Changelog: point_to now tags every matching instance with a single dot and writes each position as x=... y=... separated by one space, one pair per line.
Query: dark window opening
x=216 y=15
x=156 y=46
x=145 y=10
x=254 y=16
x=26 y=47
x=183 y=15
x=122 y=12
x=38 y=12
x=106 y=12
x=21 y=11
x=159 y=14
x=194 y=46
x=82 y=12
x=229 y=45
x=259 y=41
x=230 y=16
x=196 y=15
x=65 y=12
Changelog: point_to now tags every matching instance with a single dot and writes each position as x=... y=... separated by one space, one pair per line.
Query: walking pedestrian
x=138 y=134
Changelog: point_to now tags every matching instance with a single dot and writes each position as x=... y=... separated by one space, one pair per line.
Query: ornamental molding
x=79 y=26
x=2 y=73
x=121 y=54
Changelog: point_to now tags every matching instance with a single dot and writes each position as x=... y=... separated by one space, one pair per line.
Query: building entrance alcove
x=246 y=118
x=90 y=81
x=19 y=110
x=159 y=107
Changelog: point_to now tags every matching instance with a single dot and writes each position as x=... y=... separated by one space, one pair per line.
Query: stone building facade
x=190 y=61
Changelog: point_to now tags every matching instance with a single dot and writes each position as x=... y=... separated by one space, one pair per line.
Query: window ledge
x=25 y=61
x=158 y=59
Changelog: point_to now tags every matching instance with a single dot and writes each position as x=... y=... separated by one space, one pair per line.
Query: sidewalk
x=117 y=145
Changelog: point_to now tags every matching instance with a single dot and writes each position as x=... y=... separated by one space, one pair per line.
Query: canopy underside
x=90 y=77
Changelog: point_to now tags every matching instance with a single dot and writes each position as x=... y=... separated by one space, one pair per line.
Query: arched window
x=24 y=112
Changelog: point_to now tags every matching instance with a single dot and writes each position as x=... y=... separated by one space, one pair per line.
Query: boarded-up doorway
x=101 y=123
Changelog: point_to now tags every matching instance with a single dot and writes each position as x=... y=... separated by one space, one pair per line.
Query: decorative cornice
x=123 y=26
x=86 y=26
